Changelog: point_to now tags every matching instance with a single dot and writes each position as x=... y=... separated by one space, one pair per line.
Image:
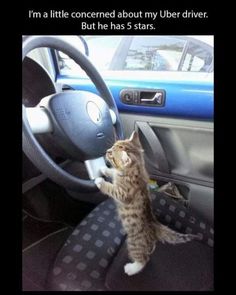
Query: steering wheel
x=82 y=123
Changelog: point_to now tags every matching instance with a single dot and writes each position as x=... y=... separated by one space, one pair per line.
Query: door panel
x=187 y=95
x=188 y=148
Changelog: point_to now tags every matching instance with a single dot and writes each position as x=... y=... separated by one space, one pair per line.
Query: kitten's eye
x=120 y=147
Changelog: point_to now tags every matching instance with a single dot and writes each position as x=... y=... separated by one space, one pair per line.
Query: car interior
x=72 y=112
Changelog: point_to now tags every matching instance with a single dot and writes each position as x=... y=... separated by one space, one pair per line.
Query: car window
x=101 y=51
x=144 y=53
x=154 y=54
x=197 y=58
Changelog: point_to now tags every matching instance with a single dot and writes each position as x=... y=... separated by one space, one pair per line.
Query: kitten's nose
x=109 y=152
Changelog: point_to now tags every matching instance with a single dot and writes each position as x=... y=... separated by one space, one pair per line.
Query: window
x=197 y=59
x=144 y=53
x=101 y=51
x=154 y=54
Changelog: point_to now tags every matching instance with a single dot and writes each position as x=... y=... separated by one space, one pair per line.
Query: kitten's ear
x=125 y=158
x=134 y=137
x=136 y=141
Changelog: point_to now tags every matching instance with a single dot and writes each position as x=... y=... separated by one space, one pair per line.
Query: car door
x=163 y=88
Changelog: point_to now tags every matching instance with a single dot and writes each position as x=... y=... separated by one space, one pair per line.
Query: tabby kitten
x=130 y=191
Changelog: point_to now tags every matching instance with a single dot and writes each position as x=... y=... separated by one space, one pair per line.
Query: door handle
x=143 y=97
x=156 y=97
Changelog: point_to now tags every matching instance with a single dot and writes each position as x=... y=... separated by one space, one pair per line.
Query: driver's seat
x=93 y=257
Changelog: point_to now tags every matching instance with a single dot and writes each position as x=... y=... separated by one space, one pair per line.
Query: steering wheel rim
x=31 y=147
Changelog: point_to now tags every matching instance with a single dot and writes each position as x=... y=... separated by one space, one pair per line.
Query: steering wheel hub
x=82 y=123
x=94 y=112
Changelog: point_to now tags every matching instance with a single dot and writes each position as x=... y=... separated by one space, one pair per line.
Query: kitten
x=130 y=191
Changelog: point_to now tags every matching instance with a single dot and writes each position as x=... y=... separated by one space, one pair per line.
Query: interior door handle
x=156 y=96
x=143 y=97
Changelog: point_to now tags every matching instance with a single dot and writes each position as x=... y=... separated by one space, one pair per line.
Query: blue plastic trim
x=186 y=99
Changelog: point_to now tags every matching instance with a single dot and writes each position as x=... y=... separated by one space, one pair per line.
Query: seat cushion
x=83 y=262
x=182 y=267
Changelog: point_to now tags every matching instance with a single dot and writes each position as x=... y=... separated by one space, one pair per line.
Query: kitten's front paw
x=98 y=181
x=133 y=268
x=103 y=170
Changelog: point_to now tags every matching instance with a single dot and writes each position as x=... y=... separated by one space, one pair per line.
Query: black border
x=218 y=25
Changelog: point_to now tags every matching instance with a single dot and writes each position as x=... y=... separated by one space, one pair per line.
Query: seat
x=93 y=256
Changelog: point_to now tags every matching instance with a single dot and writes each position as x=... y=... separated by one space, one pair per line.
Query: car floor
x=50 y=202
x=49 y=216
x=40 y=244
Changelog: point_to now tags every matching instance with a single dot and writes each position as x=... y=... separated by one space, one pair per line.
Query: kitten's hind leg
x=138 y=253
x=139 y=259
x=133 y=268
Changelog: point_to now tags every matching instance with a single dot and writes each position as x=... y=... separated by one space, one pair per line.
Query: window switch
x=127 y=97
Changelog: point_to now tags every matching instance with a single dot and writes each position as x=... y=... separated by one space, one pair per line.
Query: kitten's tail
x=165 y=234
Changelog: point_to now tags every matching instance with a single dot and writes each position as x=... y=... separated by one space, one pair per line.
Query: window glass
x=197 y=58
x=101 y=52
x=143 y=53
x=154 y=54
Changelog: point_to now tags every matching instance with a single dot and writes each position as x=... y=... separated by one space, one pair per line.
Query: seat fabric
x=182 y=267
x=83 y=262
